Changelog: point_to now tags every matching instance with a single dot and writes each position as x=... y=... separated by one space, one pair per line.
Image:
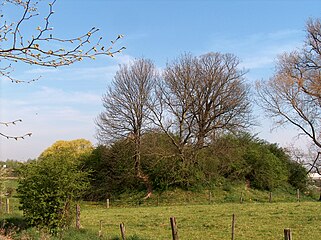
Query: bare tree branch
x=42 y=47
x=35 y=49
x=293 y=94
x=202 y=96
x=7 y=124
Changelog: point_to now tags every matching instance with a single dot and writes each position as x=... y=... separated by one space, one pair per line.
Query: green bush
x=246 y=158
x=48 y=189
x=298 y=177
x=164 y=165
x=236 y=158
x=112 y=171
x=266 y=170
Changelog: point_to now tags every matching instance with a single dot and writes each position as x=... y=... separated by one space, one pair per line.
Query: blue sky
x=65 y=101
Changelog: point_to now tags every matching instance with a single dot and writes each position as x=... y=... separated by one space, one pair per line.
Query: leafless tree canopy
x=126 y=102
x=40 y=46
x=202 y=96
x=293 y=94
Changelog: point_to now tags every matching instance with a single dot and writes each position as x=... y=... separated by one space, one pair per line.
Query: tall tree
x=293 y=95
x=126 y=108
x=40 y=47
x=201 y=97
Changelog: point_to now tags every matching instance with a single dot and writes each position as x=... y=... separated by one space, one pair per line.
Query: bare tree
x=293 y=95
x=221 y=98
x=40 y=46
x=172 y=108
x=126 y=109
x=200 y=97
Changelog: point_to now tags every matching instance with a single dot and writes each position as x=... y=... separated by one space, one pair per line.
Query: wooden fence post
x=233 y=226
x=270 y=197
x=100 y=233
x=174 y=228
x=78 y=216
x=287 y=234
x=122 y=231
x=298 y=194
x=7 y=205
x=241 y=198
x=107 y=203
x=210 y=196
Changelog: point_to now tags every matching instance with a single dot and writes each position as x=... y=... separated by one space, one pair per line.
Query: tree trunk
x=145 y=179
x=142 y=177
x=138 y=170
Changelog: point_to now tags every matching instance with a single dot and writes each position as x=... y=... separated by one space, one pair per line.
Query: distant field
x=253 y=220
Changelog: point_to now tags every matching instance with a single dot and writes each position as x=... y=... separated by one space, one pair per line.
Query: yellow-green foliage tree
x=74 y=149
x=49 y=186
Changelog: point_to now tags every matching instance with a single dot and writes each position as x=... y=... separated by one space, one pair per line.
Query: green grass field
x=197 y=217
x=253 y=220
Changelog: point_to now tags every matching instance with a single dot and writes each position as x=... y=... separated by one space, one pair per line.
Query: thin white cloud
x=48 y=123
x=102 y=69
x=47 y=95
x=51 y=112
x=124 y=58
x=43 y=70
x=260 y=50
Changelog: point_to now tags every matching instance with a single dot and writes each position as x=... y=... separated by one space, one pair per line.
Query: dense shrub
x=266 y=171
x=49 y=186
x=242 y=157
x=245 y=157
x=164 y=165
x=111 y=170
x=298 y=177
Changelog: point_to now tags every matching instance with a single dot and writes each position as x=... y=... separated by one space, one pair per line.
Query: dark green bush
x=112 y=171
x=298 y=177
x=237 y=158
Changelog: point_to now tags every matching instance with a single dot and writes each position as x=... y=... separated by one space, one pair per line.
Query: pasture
x=212 y=221
x=253 y=220
x=196 y=216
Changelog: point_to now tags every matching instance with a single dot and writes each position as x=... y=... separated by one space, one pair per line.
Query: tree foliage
x=183 y=128
x=49 y=186
x=73 y=149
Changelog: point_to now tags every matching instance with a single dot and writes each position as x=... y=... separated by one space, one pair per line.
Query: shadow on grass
x=135 y=237
x=12 y=225
x=16 y=227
